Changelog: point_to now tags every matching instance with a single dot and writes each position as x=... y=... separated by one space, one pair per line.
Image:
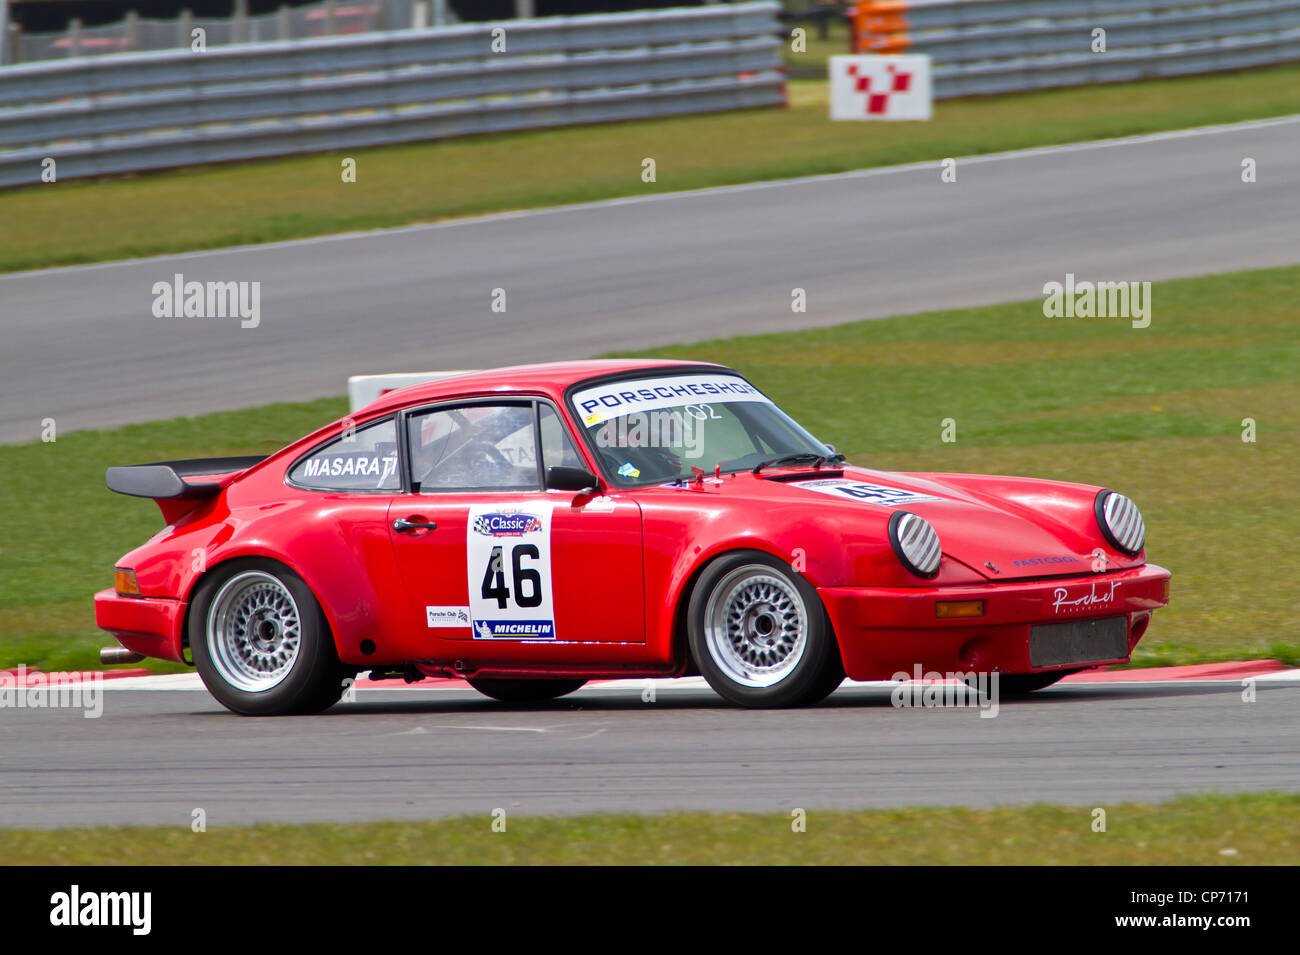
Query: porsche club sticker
x=864 y=492
x=447 y=616
x=508 y=553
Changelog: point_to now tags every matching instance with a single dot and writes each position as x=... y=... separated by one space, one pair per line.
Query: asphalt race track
x=154 y=756
x=82 y=346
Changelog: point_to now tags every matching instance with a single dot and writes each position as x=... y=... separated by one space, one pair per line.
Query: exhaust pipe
x=114 y=655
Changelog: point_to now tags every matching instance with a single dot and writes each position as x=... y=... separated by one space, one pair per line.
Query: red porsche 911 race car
x=532 y=528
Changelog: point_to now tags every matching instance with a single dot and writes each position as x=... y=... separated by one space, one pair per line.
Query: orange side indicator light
x=124 y=582
x=958 y=608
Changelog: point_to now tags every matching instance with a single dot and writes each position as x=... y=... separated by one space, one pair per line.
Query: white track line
x=1279 y=676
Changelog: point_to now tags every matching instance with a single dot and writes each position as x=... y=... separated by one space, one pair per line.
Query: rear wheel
x=760 y=635
x=525 y=691
x=261 y=642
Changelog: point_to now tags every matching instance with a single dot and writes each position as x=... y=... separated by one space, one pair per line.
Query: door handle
x=404 y=526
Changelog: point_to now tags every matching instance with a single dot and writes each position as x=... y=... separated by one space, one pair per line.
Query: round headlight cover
x=1120 y=522
x=915 y=543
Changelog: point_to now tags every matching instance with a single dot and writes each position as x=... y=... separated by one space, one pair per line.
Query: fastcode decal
x=864 y=492
x=508 y=554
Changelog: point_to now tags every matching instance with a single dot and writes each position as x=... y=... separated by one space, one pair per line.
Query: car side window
x=364 y=459
x=557 y=446
x=474 y=447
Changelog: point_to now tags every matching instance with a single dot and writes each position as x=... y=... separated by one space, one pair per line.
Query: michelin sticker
x=508 y=549
x=866 y=493
x=615 y=399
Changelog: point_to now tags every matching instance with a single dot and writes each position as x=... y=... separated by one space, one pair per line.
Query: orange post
x=879 y=26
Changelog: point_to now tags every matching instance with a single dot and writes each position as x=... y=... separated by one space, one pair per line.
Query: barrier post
x=131 y=30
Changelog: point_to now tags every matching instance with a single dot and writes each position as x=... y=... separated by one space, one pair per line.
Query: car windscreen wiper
x=799 y=457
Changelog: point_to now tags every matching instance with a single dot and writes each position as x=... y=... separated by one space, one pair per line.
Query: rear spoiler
x=170 y=480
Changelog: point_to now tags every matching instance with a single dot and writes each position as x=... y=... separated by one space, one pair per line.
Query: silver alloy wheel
x=254 y=631
x=756 y=626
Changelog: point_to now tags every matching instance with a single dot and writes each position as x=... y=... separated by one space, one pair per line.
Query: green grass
x=1203 y=830
x=208 y=207
x=1155 y=413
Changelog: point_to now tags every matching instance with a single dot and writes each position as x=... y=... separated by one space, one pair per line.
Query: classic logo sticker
x=864 y=492
x=506 y=524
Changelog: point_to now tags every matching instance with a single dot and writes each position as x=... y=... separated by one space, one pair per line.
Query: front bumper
x=148 y=625
x=885 y=631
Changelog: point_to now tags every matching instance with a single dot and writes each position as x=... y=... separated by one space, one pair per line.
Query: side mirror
x=571 y=479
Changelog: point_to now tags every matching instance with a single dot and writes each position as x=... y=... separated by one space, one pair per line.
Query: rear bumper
x=148 y=625
x=886 y=631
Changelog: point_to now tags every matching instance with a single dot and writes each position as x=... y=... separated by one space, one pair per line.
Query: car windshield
x=655 y=430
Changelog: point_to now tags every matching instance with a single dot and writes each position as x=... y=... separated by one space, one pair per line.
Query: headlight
x=1120 y=522
x=915 y=543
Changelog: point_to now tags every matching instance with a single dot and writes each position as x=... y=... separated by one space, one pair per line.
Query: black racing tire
x=760 y=635
x=1022 y=684
x=525 y=691
x=261 y=643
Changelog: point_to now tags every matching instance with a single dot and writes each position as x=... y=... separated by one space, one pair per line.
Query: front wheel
x=261 y=642
x=760 y=635
x=525 y=691
x=1019 y=684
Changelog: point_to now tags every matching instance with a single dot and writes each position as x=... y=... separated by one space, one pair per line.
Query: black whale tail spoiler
x=189 y=481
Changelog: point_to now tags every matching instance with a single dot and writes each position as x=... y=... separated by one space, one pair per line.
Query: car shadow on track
x=862 y=698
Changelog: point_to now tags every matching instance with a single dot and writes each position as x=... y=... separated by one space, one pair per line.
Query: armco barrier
x=138 y=111
x=996 y=46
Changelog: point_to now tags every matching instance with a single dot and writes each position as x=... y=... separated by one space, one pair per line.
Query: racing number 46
x=523 y=578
